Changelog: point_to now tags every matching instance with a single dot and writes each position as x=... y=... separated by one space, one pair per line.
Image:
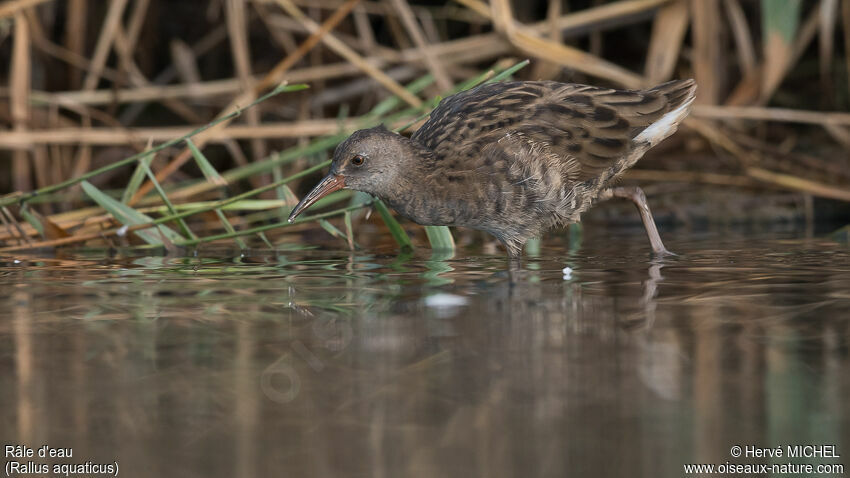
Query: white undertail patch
x=664 y=127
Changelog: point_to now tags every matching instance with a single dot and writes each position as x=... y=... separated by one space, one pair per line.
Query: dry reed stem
x=808 y=30
x=845 y=28
x=839 y=134
x=762 y=113
x=429 y=26
x=12 y=7
x=120 y=136
x=749 y=158
x=197 y=91
x=104 y=43
x=528 y=41
x=601 y=17
x=595 y=40
x=199 y=48
x=454 y=51
x=275 y=76
x=782 y=157
x=281 y=22
x=799 y=184
x=75 y=38
x=10 y=233
x=759 y=87
x=668 y=35
x=237 y=32
x=83 y=217
x=707 y=56
x=137 y=20
x=773 y=79
x=237 y=27
x=486 y=46
x=19 y=84
x=83 y=158
x=828 y=16
x=137 y=78
x=547 y=69
x=364 y=28
x=473 y=48
x=744 y=47
x=349 y=54
x=690 y=177
x=74 y=59
x=37 y=33
x=710 y=131
x=124 y=49
x=380 y=8
x=10 y=219
x=360 y=88
x=60 y=102
x=185 y=62
x=777 y=60
x=453 y=54
x=396 y=31
x=444 y=82
x=284 y=39
x=610 y=14
x=78 y=238
x=41 y=166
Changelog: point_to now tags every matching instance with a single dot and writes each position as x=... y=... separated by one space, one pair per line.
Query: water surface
x=331 y=363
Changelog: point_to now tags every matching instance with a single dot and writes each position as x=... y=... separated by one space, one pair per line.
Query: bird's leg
x=636 y=195
x=515 y=271
x=514 y=260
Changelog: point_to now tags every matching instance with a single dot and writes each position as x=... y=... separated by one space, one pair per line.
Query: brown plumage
x=512 y=159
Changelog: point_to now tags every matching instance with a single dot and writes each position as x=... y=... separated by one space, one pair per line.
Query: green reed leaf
x=440 y=238
x=229 y=228
x=204 y=165
x=129 y=216
x=396 y=230
x=136 y=179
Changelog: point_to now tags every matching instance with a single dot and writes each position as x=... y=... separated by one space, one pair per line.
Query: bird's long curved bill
x=329 y=184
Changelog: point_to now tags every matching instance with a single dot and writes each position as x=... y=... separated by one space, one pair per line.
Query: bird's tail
x=680 y=95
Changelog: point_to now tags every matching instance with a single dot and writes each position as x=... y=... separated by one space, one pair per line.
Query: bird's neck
x=410 y=193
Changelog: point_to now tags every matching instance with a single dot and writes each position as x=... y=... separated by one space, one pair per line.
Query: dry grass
x=109 y=79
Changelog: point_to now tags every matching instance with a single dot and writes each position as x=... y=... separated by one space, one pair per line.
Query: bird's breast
x=424 y=211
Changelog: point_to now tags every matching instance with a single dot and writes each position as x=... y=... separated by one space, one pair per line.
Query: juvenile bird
x=513 y=159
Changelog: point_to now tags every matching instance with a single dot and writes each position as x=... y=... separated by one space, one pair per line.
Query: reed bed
x=146 y=123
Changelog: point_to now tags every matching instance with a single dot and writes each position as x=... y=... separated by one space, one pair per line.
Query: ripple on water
x=326 y=362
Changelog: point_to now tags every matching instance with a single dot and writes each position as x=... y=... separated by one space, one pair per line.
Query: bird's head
x=370 y=160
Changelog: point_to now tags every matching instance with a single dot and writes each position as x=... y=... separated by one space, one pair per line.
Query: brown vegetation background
x=86 y=83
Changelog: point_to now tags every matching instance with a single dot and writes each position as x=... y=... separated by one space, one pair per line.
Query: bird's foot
x=663 y=253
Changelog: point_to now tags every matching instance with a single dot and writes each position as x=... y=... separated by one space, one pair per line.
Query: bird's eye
x=357 y=160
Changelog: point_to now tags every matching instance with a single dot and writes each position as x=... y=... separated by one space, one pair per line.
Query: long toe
x=663 y=252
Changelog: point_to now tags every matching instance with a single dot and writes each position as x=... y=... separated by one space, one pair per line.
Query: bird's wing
x=589 y=128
